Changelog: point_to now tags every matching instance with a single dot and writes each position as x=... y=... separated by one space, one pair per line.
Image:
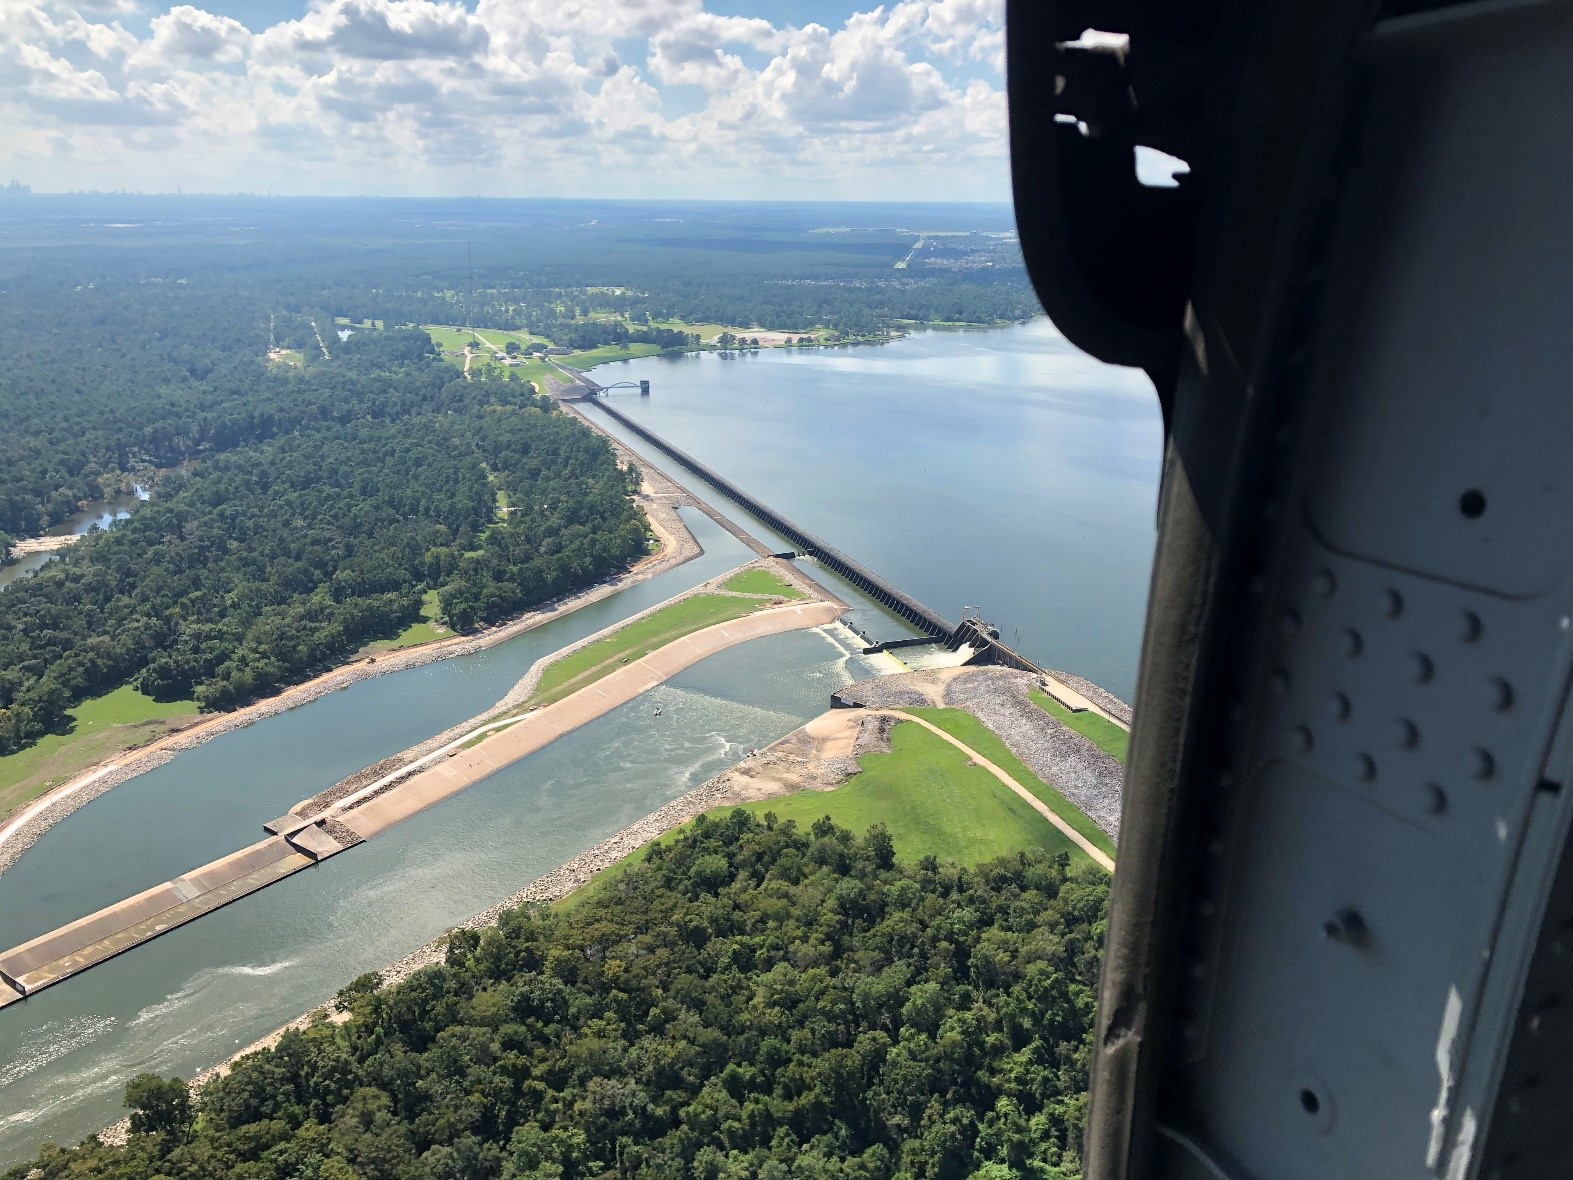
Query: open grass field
x=932 y=799
x=965 y=727
x=104 y=726
x=1100 y=731
x=415 y=634
x=929 y=796
x=761 y=581
x=590 y=357
x=636 y=641
x=446 y=338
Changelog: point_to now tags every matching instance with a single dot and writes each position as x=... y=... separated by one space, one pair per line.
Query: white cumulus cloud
x=514 y=97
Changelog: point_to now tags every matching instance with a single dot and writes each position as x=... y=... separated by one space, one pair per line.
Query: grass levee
x=762 y=581
x=967 y=728
x=931 y=798
x=636 y=641
x=590 y=357
x=103 y=726
x=1100 y=731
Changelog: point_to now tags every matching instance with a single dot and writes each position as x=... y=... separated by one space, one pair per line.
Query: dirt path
x=1097 y=854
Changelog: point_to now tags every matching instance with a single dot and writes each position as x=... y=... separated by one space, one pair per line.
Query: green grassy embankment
x=762 y=581
x=104 y=726
x=635 y=641
x=929 y=795
x=1100 y=731
x=933 y=799
x=965 y=727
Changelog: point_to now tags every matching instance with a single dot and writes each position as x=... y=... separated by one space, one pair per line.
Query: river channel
x=100 y=514
x=998 y=469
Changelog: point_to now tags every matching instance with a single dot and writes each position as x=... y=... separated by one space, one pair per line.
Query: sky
x=722 y=99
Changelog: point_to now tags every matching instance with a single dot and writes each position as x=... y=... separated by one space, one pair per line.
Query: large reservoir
x=999 y=469
x=995 y=469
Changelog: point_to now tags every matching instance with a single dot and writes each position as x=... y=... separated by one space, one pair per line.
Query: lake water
x=1002 y=469
x=999 y=469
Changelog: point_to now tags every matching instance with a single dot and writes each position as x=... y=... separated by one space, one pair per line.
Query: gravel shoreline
x=660 y=501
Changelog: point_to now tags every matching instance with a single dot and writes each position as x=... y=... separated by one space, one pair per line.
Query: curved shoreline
x=23 y=828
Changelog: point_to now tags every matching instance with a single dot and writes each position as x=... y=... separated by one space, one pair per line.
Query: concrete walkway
x=1097 y=854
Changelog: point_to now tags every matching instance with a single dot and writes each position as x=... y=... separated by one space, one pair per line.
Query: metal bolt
x=1346 y=927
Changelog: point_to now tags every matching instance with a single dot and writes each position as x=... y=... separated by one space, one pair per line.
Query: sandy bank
x=44 y=544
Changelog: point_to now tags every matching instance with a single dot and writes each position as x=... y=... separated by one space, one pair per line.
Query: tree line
x=755 y=1000
x=273 y=562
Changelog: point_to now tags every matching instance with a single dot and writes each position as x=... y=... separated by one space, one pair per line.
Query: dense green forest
x=304 y=505
x=274 y=561
x=754 y=1001
x=134 y=329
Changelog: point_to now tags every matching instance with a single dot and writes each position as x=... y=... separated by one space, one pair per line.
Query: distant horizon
x=697 y=201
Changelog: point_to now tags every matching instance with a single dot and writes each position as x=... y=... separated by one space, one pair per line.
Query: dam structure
x=935 y=627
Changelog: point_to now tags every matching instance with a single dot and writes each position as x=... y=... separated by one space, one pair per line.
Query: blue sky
x=658 y=98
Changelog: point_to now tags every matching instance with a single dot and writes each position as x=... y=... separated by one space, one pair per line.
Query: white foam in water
x=49 y=1042
x=201 y=981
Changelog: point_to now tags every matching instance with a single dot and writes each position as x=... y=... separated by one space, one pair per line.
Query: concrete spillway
x=91 y=940
x=930 y=622
x=298 y=842
x=909 y=608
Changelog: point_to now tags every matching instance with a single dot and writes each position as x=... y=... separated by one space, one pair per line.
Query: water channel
x=99 y=514
x=991 y=468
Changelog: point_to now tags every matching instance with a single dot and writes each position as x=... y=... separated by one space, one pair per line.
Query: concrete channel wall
x=929 y=621
x=298 y=842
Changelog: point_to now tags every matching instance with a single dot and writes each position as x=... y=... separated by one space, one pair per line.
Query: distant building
x=16 y=189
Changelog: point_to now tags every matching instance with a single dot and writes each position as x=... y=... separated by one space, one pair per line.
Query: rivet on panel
x=1481 y=764
x=1501 y=695
x=1278 y=682
x=1302 y=739
x=1392 y=604
x=1436 y=799
x=1469 y=626
x=1338 y=707
x=1289 y=622
x=1365 y=768
x=1408 y=733
x=1422 y=668
x=1348 y=927
x=1354 y=644
x=1323 y=584
x=1235 y=710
